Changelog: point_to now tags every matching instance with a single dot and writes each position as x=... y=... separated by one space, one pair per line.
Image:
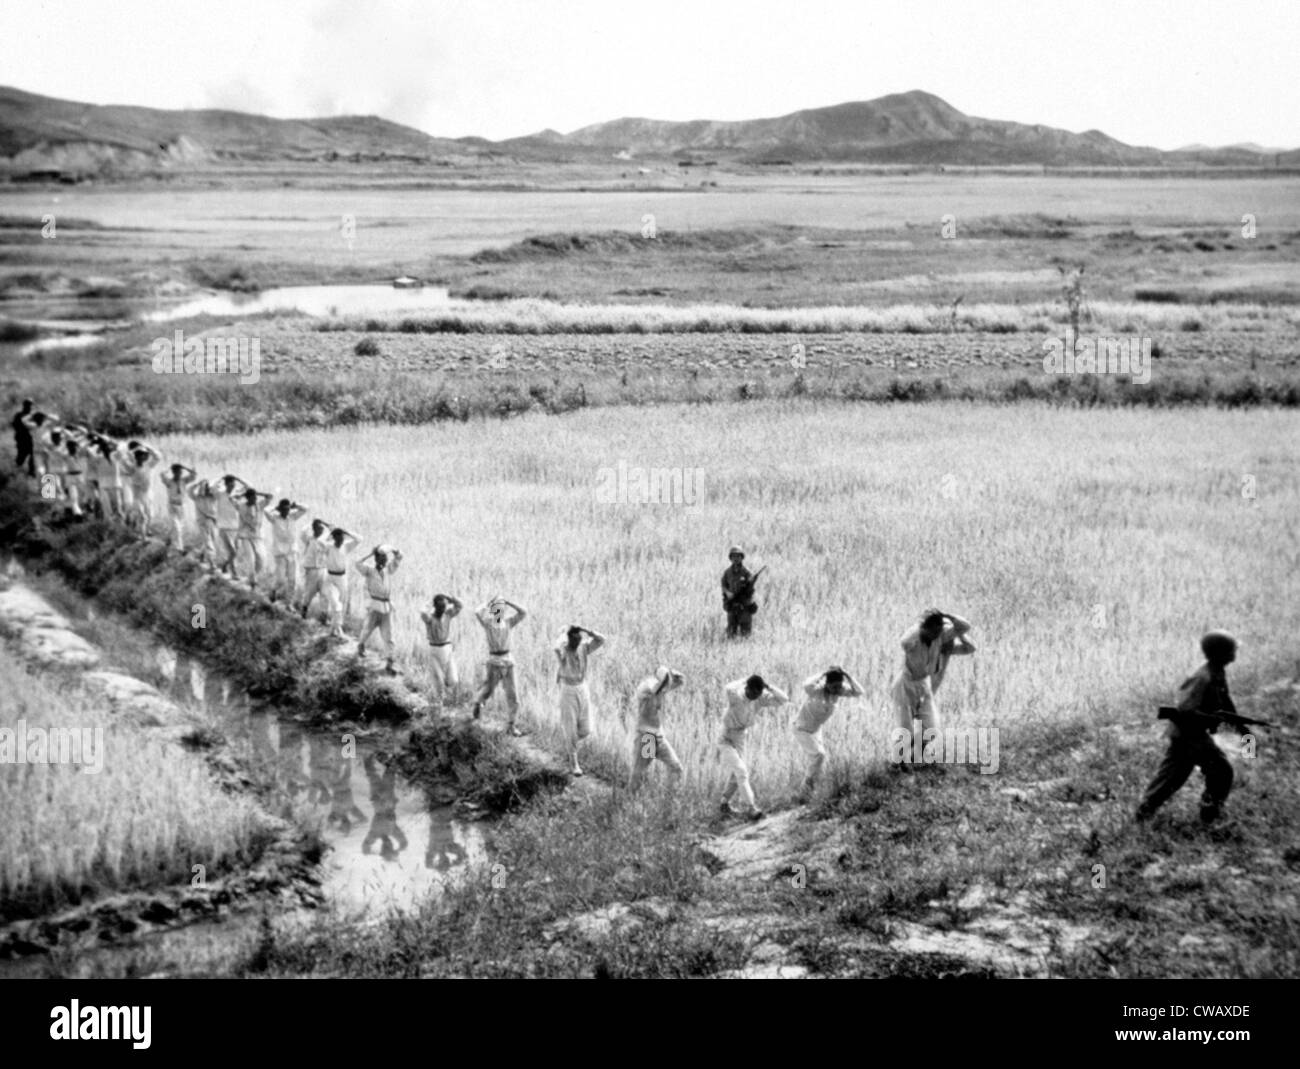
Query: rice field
x=145 y=818
x=1088 y=548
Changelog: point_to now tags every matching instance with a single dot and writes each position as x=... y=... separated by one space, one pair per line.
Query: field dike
x=282 y=661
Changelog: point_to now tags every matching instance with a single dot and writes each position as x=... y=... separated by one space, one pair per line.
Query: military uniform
x=1191 y=746
x=23 y=441
x=738 y=599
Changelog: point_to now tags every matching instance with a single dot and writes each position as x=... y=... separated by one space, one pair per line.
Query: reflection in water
x=345 y=814
x=63 y=341
x=443 y=851
x=383 y=825
x=292 y=781
x=320 y=769
x=371 y=862
x=181 y=679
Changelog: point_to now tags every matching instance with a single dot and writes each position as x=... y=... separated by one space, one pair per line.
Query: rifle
x=744 y=593
x=1168 y=712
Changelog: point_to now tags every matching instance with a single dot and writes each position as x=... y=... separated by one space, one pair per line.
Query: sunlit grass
x=1089 y=549
x=532 y=316
x=145 y=819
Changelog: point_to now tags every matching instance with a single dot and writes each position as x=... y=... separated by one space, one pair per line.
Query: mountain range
x=40 y=134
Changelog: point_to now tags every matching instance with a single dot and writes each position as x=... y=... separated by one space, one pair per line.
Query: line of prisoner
x=80 y=465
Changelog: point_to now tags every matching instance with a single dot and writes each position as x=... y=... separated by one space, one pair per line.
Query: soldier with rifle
x=23 y=437
x=738 y=594
x=1203 y=704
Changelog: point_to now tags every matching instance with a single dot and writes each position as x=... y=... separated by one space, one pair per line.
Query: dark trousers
x=1184 y=755
x=740 y=620
x=24 y=447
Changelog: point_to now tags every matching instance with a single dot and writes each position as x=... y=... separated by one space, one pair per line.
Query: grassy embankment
x=278 y=658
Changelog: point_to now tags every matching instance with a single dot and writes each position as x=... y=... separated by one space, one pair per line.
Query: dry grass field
x=1088 y=548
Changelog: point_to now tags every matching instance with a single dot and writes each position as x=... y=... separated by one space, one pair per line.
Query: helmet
x=1218 y=645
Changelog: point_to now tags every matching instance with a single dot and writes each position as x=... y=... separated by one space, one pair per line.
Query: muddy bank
x=279 y=659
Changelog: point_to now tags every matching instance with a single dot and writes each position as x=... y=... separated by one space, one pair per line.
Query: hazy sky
x=1149 y=73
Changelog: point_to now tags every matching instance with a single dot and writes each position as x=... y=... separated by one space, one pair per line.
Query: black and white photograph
x=563 y=489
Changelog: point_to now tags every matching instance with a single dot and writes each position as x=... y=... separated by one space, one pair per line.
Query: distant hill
x=915 y=127
x=1241 y=146
x=41 y=134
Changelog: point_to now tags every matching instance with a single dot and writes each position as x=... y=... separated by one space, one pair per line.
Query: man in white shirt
x=379 y=608
x=228 y=524
x=145 y=458
x=176 y=479
x=336 y=576
x=313 y=563
x=74 y=477
x=746 y=698
x=497 y=626
x=437 y=627
x=251 y=506
x=923 y=655
x=108 y=469
x=204 y=496
x=284 y=548
x=572 y=652
x=648 y=741
x=823 y=692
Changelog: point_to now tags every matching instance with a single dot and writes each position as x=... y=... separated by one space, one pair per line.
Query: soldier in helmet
x=1201 y=695
x=23 y=437
x=738 y=594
